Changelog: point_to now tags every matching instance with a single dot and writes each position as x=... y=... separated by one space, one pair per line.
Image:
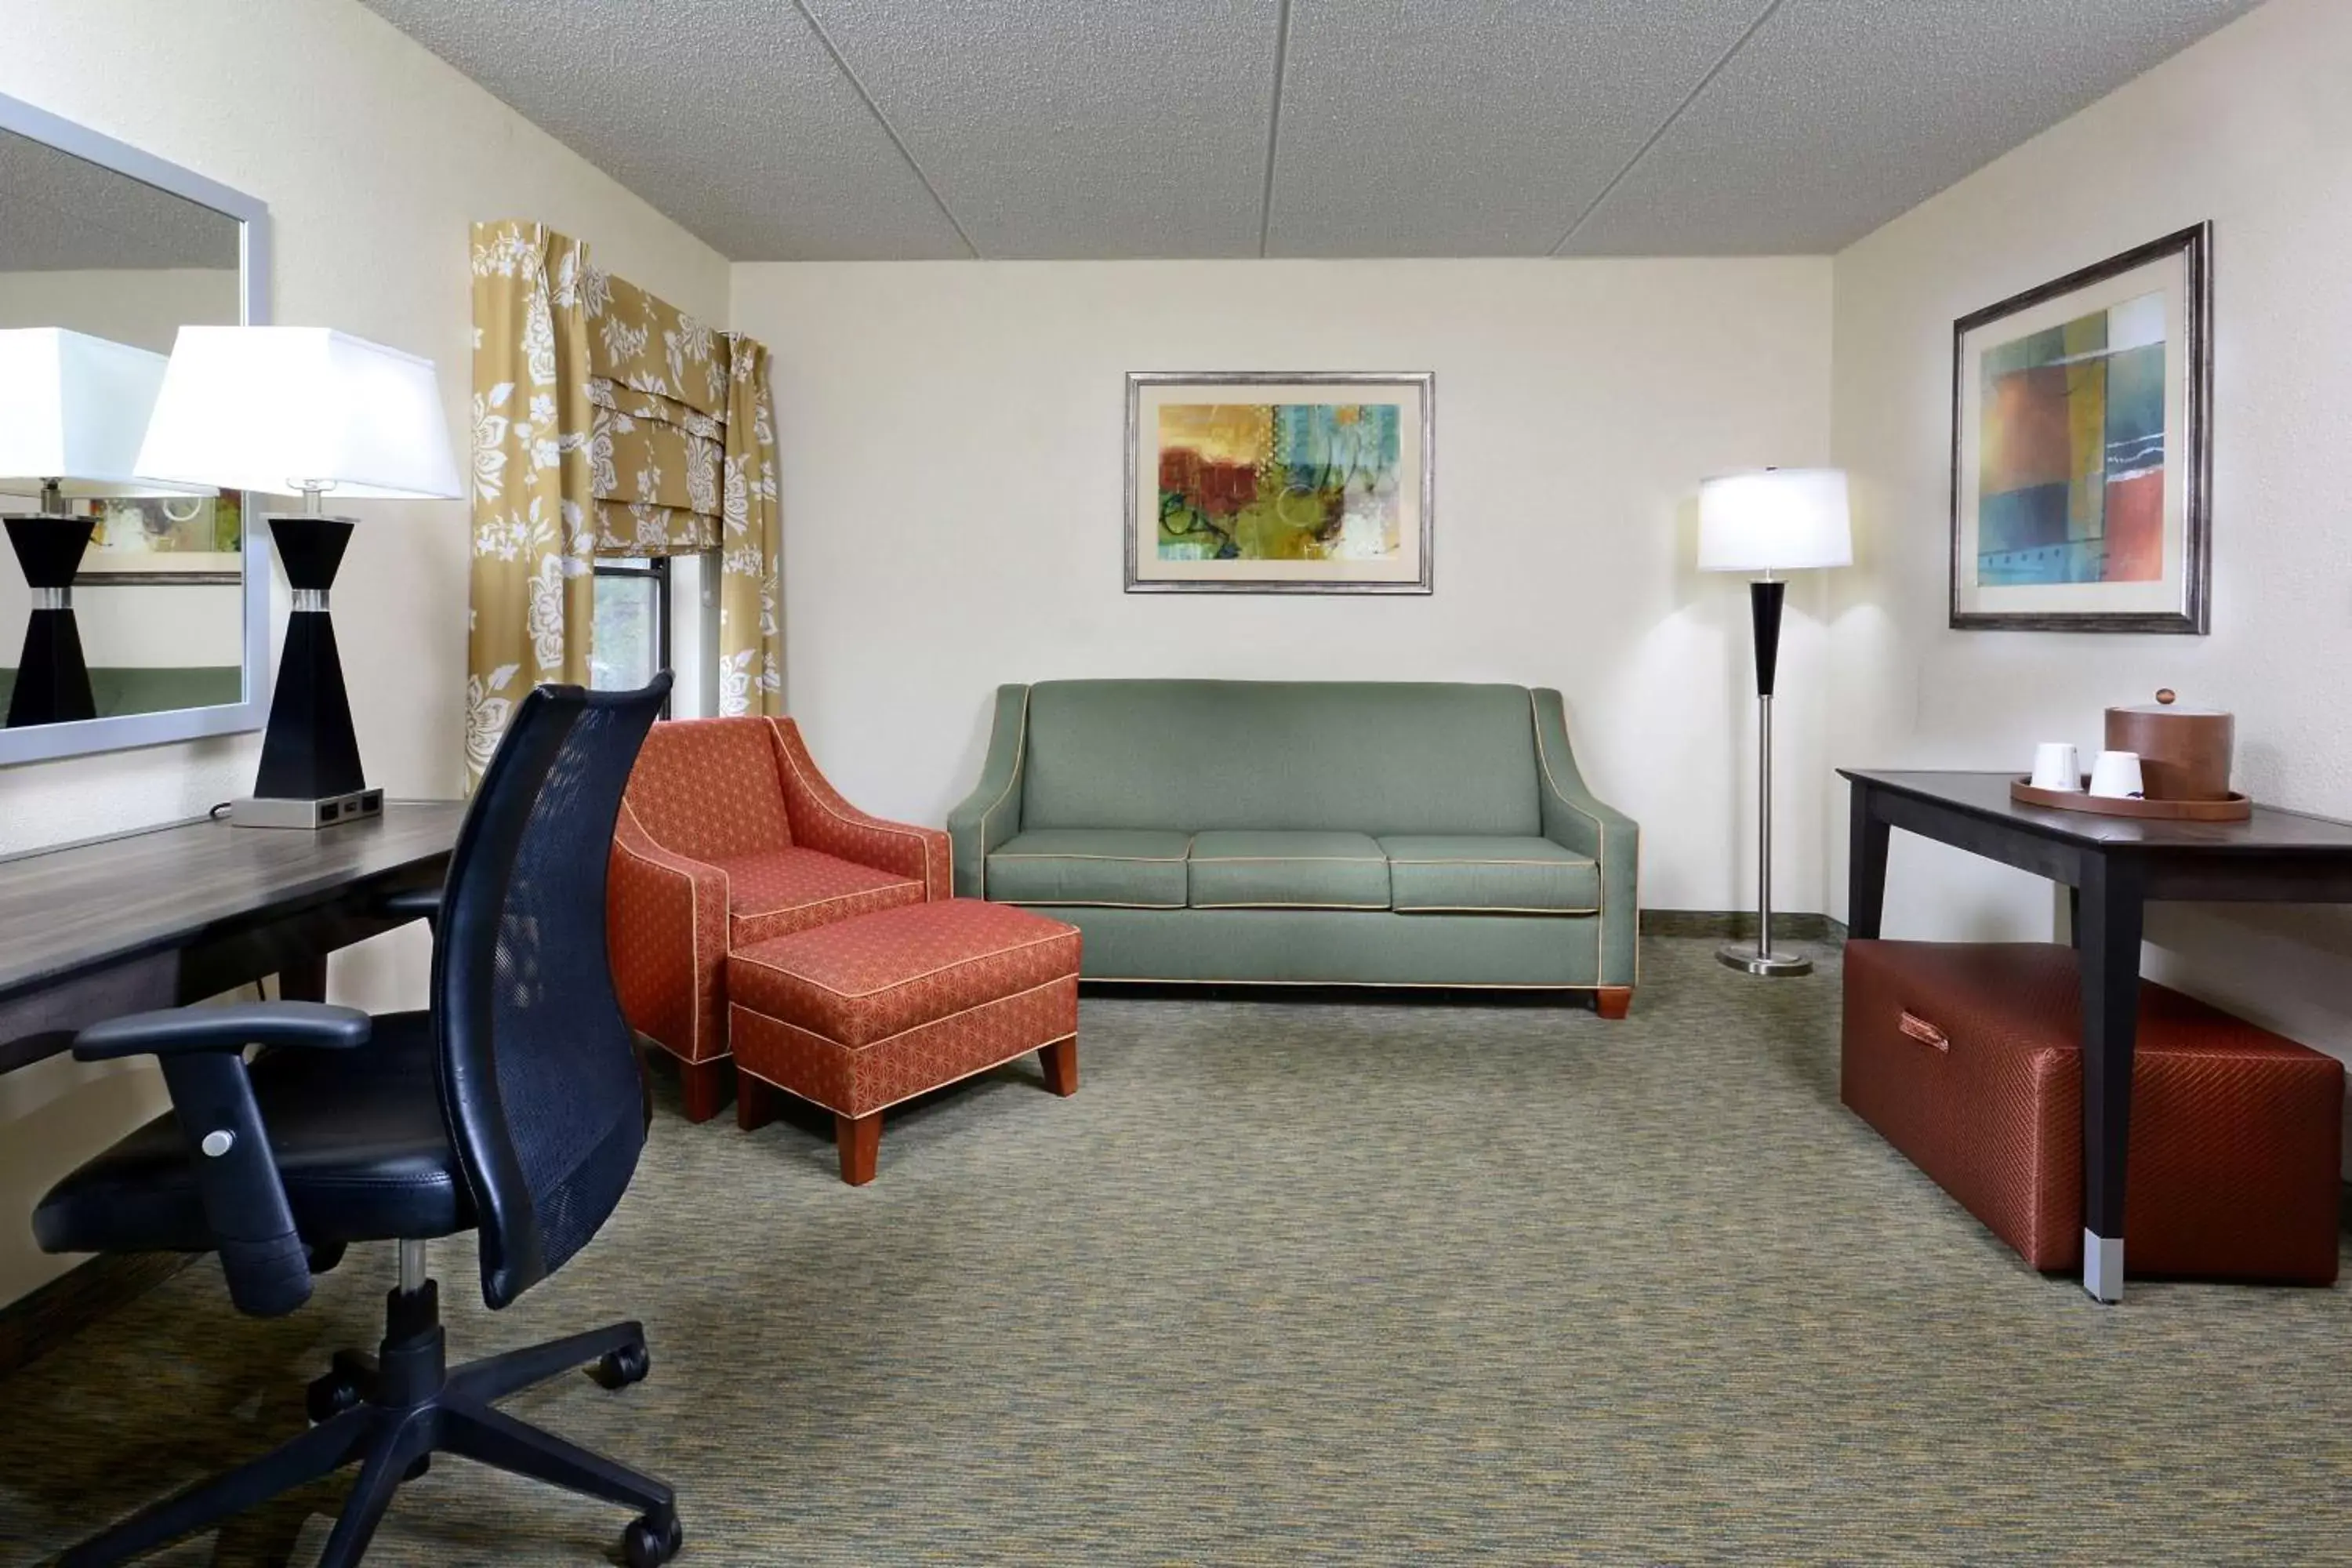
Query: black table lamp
x=72 y=410
x=303 y=411
x=1777 y=520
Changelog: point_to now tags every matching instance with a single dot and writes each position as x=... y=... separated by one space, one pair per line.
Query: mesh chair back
x=539 y=1076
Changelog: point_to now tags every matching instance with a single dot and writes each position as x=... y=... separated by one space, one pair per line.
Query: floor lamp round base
x=1744 y=955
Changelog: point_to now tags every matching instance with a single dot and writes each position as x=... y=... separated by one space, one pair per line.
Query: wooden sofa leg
x=706 y=1085
x=859 y=1139
x=1613 y=1001
x=755 y=1101
x=1061 y=1061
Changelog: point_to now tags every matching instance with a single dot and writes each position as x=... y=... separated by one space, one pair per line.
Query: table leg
x=1865 y=866
x=2108 y=940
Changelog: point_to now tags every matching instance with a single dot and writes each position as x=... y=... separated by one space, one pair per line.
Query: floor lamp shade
x=73 y=409
x=1775 y=520
x=283 y=410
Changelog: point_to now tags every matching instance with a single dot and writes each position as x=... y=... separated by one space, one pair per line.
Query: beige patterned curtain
x=607 y=422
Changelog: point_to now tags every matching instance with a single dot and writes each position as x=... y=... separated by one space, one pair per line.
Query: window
x=631 y=643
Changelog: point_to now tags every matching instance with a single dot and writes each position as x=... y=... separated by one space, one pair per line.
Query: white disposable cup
x=2116 y=776
x=2056 y=766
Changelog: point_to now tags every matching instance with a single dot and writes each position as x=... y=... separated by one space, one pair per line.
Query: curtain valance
x=607 y=422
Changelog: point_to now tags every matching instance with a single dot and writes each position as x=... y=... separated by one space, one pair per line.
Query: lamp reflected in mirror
x=73 y=410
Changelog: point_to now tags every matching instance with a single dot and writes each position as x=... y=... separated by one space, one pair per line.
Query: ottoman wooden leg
x=859 y=1139
x=755 y=1101
x=1613 y=1001
x=704 y=1084
x=1060 y=1060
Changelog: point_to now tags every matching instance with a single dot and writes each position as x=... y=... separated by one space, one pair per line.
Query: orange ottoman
x=858 y=1016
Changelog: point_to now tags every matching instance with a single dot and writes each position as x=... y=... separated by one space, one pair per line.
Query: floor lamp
x=1777 y=520
x=303 y=411
x=72 y=410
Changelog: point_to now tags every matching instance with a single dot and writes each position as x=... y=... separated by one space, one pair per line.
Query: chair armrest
x=823 y=820
x=179 y=1031
x=666 y=933
x=411 y=904
x=243 y=1197
x=991 y=813
x=1574 y=818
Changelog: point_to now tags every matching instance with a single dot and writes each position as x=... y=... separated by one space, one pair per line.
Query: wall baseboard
x=1733 y=925
x=33 y=1325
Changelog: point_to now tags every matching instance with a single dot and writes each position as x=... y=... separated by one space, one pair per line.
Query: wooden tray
x=2237 y=809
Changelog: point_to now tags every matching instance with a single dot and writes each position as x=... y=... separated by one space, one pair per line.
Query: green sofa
x=1306 y=833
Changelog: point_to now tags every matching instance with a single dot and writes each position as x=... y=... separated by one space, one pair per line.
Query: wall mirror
x=130 y=613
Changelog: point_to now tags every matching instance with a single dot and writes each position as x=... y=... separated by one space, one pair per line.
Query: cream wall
x=952 y=466
x=2252 y=129
x=373 y=156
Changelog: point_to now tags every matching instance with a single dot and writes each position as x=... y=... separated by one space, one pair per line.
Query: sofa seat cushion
x=774 y=892
x=1273 y=870
x=1480 y=873
x=1128 y=868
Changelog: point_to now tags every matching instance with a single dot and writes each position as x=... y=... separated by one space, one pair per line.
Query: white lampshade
x=283 y=409
x=1777 y=520
x=73 y=409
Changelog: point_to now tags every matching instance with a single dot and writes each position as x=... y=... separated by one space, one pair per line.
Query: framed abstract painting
x=1257 y=482
x=2082 y=448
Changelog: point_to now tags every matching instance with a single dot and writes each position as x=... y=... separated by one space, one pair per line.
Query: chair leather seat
x=360 y=1140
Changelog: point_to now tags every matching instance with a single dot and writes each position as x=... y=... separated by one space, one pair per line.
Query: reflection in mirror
x=117 y=596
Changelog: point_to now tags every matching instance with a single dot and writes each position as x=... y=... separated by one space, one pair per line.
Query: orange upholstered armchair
x=729 y=835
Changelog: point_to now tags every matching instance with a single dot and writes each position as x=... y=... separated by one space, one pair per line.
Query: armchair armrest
x=244 y=1198
x=666 y=928
x=991 y=813
x=411 y=904
x=179 y=1031
x=823 y=820
x=1574 y=818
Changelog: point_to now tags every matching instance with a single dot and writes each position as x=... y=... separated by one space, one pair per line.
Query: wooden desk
x=175 y=914
x=2114 y=866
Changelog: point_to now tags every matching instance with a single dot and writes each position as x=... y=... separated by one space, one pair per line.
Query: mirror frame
x=82 y=737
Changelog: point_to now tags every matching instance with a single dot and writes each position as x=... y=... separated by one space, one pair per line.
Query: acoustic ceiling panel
x=786 y=130
x=729 y=116
x=1078 y=128
x=1839 y=115
x=1440 y=128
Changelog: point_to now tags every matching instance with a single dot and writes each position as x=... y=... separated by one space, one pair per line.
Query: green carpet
x=1381 y=1283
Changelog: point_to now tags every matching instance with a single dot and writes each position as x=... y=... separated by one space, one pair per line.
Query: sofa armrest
x=991 y=813
x=1574 y=818
x=823 y=820
x=666 y=928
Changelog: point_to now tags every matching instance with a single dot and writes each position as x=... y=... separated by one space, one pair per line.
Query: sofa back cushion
x=707 y=789
x=1348 y=756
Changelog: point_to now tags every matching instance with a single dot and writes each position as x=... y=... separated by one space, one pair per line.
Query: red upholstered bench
x=1966 y=1058
x=858 y=1016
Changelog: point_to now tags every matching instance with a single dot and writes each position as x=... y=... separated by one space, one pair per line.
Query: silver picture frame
x=1423 y=384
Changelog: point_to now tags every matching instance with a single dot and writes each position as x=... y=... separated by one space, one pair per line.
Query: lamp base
x=1748 y=957
x=273 y=811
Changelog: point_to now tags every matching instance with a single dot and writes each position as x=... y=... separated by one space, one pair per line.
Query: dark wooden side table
x=2114 y=866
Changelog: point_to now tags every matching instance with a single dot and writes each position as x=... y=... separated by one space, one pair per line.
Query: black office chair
x=513 y=1108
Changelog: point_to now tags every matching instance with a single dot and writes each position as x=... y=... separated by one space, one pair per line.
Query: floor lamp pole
x=1764 y=599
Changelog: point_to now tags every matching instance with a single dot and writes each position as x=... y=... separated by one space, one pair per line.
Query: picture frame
x=184 y=541
x=1280 y=482
x=2082 y=448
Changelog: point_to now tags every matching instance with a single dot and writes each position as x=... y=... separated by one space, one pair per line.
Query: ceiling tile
x=727 y=115
x=1078 y=128
x=1447 y=128
x=1840 y=114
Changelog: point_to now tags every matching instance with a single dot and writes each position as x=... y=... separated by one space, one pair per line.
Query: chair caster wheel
x=330 y=1395
x=417 y=1467
x=645 y=1545
x=620 y=1368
